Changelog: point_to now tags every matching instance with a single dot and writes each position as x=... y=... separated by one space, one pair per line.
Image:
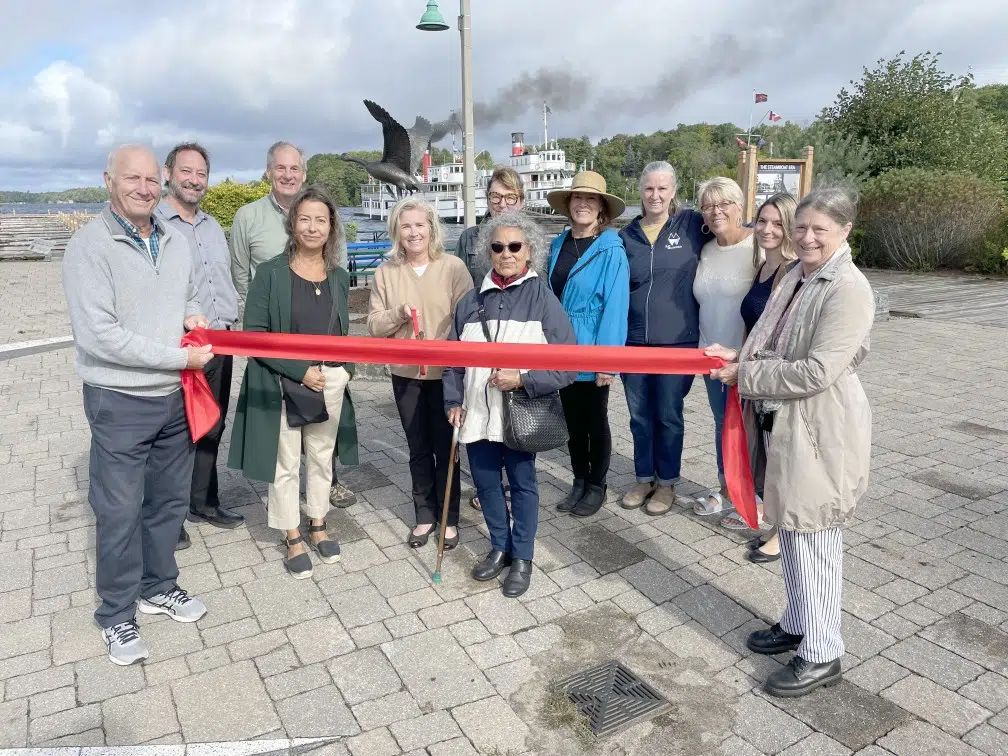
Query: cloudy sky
x=77 y=78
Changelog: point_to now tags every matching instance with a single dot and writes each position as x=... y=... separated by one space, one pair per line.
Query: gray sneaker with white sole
x=176 y=603
x=124 y=644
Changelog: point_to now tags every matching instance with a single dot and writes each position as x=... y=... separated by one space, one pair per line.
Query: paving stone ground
x=371 y=654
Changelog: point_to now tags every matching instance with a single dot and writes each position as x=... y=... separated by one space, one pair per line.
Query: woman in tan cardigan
x=419 y=277
x=799 y=366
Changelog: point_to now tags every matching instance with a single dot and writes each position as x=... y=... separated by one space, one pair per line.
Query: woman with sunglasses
x=589 y=274
x=515 y=306
x=725 y=273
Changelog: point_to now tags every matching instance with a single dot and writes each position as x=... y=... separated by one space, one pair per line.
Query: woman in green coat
x=287 y=405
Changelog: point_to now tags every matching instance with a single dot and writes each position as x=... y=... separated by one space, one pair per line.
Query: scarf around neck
x=775 y=334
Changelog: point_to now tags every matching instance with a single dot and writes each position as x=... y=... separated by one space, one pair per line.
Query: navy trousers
x=514 y=532
x=141 y=477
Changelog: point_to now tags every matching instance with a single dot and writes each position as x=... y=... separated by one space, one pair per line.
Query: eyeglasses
x=509 y=199
x=513 y=247
x=722 y=206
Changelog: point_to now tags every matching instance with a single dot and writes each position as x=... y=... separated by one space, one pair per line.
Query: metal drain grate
x=613 y=698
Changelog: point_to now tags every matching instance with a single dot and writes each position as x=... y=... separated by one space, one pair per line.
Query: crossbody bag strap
x=482 y=317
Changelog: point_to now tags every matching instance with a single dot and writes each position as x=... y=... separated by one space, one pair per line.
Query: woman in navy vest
x=588 y=273
x=663 y=249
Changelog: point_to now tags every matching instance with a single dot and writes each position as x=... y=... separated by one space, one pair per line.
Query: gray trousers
x=141 y=473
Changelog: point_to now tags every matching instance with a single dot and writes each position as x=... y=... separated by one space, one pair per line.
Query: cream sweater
x=723 y=278
x=434 y=295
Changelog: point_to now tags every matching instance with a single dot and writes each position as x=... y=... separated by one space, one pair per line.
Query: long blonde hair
x=435 y=245
x=785 y=204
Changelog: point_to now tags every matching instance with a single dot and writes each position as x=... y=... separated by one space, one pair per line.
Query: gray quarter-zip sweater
x=127 y=312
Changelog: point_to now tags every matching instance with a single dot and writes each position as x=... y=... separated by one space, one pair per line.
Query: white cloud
x=238 y=74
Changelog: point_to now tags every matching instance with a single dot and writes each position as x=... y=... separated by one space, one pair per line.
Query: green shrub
x=223 y=200
x=916 y=219
x=991 y=254
x=350 y=229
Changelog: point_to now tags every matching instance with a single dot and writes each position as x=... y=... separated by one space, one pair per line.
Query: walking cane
x=452 y=455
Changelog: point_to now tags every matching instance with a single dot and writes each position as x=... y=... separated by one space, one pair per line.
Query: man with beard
x=187 y=172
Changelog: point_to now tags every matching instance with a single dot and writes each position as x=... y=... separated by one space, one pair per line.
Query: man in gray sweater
x=131 y=295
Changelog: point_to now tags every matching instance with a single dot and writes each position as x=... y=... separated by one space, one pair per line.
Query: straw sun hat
x=586 y=182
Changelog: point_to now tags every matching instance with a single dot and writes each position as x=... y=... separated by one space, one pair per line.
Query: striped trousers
x=813 y=578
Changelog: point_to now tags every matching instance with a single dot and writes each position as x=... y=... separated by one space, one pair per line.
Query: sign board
x=760 y=179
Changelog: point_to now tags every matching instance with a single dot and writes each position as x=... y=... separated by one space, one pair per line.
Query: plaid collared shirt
x=134 y=233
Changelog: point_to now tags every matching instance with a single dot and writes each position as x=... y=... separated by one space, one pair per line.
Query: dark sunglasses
x=514 y=247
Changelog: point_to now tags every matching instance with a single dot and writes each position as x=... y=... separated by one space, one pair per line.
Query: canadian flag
x=773 y=116
x=741 y=142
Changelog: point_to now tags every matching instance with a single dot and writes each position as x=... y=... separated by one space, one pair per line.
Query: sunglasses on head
x=514 y=247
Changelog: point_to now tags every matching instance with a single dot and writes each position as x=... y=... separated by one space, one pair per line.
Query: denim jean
x=717 y=395
x=656 y=423
x=514 y=532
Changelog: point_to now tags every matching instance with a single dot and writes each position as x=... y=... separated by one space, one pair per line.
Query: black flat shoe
x=451 y=542
x=492 y=566
x=519 y=578
x=755 y=543
x=571 y=499
x=299 y=566
x=799 y=677
x=592 y=501
x=327 y=549
x=183 y=541
x=416 y=541
x=758 y=557
x=222 y=518
x=773 y=640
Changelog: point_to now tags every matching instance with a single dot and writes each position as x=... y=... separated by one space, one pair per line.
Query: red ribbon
x=567 y=357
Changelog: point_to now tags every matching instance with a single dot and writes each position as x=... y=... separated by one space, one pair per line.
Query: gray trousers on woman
x=141 y=473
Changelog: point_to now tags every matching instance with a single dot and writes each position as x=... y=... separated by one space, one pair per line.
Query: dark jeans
x=514 y=532
x=204 y=480
x=141 y=473
x=586 y=410
x=717 y=396
x=656 y=423
x=428 y=435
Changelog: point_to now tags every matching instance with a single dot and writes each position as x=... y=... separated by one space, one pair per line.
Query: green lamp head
x=432 y=19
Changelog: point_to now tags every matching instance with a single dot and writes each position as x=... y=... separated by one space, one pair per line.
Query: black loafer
x=492 y=566
x=571 y=500
x=183 y=541
x=799 y=677
x=519 y=578
x=773 y=640
x=592 y=501
x=755 y=543
x=758 y=557
x=222 y=518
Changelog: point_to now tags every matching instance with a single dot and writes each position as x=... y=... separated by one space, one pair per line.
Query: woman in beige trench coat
x=798 y=366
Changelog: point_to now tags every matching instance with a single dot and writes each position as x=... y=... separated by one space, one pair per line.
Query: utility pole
x=468 y=135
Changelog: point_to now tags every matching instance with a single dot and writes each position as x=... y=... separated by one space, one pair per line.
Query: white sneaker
x=176 y=603
x=124 y=644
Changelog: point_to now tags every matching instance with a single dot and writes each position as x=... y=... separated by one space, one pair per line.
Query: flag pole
x=751 y=105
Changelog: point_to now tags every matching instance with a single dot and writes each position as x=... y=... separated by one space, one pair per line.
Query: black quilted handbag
x=531 y=424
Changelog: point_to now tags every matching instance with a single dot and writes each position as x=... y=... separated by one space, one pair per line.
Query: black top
x=567 y=258
x=311 y=313
x=756 y=299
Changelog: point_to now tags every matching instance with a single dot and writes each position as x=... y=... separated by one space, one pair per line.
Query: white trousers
x=319 y=439
x=813 y=578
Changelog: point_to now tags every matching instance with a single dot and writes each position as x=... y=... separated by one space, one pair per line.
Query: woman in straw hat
x=589 y=274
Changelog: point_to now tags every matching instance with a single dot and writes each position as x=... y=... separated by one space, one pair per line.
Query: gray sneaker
x=176 y=603
x=341 y=496
x=124 y=644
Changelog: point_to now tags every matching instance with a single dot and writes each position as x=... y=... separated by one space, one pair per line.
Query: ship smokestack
x=517 y=146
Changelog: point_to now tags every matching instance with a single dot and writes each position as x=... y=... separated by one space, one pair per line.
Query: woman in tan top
x=419 y=277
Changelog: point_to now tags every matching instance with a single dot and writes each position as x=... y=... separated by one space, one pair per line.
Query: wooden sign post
x=760 y=179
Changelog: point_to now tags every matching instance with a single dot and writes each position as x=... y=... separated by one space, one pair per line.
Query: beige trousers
x=282 y=505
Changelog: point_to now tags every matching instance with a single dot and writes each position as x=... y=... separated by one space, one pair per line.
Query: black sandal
x=416 y=541
x=300 y=565
x=328 y=550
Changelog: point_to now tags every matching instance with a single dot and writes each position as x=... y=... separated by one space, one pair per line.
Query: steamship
x=541 y=171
